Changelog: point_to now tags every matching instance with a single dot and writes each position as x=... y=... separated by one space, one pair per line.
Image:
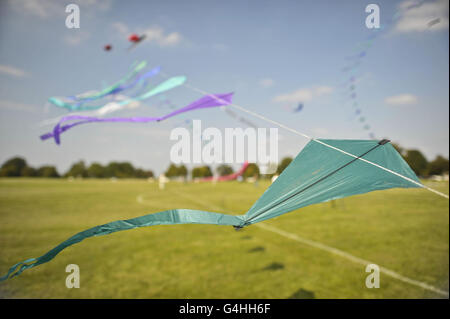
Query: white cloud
x=304 y=95
x=266 y=83
x=10 y=70
x=320 y=131
x=10 y=105
x=76 y=37
x=415 y=16
x=121 y=28
x=323 y=90
x=156 y=34
x=402 y=99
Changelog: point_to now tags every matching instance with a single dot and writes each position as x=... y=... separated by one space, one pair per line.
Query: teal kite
x=318 y=174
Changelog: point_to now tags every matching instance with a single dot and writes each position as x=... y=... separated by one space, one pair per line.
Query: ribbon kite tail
x=168 y=217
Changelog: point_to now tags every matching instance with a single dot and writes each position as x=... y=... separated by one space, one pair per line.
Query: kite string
x=318 y=141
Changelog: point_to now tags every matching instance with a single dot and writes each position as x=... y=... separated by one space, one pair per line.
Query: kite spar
x=317 y=174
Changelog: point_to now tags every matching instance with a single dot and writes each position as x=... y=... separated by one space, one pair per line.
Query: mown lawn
x=405 y=230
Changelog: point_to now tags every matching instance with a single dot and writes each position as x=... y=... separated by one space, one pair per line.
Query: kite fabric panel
x=295 y=187
x=318 y=174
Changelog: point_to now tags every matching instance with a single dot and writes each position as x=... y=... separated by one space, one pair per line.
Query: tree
x=224 y=170
x=438 y=166
x=28 y=171
x=195 y=172
x=140 y=173
x=126 y=170
x=13 y=167
x=284 y=163
x=201 y=172
x=252 y=170
x=416 y=161
x=47 y=171
x=77 y=170
x=182 y=171
x=172 y=171
x=96 y=170
x=120 y=170
x=206 y=171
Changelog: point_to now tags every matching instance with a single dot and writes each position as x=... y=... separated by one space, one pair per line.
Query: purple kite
x=206 y=101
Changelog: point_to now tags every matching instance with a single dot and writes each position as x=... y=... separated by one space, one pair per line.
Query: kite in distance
x=107 y=47
x=298 y=108
x=135 y=39
x=433 y=22
x=229 y=177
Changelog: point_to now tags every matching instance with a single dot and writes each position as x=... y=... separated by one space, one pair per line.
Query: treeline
x=18 y=167
x=420 y=165
x=181 y=171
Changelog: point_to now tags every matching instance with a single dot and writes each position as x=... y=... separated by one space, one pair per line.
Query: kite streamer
x=205 y=102
x=317 y=174
x=165 y=86
x=111 y=88
x=141 y=79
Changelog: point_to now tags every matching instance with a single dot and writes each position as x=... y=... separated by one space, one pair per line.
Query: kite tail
x=168 y=217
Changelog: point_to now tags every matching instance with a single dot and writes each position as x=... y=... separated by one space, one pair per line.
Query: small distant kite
x=107 y=47
x=135 y=40
x=298 y=108
x=292 y=109
x=433 y=22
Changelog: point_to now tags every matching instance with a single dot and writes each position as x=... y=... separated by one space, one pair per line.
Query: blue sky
x=270 y=53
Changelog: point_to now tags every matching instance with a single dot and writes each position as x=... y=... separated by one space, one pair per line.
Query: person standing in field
x=162 y=181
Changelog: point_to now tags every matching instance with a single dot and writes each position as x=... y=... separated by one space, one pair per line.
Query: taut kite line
x=317 y=174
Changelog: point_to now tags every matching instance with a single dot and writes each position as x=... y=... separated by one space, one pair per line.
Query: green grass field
x=404 y=230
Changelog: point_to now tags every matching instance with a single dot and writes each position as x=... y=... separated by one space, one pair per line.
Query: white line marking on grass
x=321 y=246
x=350 y=257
